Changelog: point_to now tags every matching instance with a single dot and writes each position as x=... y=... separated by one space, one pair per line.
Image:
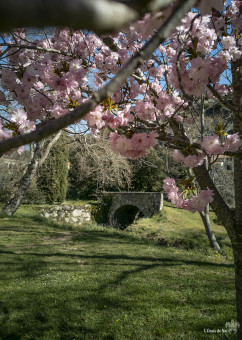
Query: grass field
x=157 y=279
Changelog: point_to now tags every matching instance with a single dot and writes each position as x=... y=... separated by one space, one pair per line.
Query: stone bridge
x=126 y=207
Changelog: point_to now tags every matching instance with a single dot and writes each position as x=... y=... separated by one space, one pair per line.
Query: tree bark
x=205 y=214
x=237 y=251
x=100 y=16
x=237 y=239
x=209 y=230
x=41 y=153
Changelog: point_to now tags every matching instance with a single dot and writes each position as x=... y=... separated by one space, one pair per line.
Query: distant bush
x=34 y=195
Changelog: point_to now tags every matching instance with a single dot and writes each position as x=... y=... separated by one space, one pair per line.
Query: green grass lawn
x=65 y=282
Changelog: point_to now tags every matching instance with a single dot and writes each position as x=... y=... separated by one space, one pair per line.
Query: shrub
x=52 y=175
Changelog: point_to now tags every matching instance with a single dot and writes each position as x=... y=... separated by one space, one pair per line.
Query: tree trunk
x=237 y=250
x=237 y=226
x=209 y=230
x=207 y=224
x=41 y=153
x=205 y=214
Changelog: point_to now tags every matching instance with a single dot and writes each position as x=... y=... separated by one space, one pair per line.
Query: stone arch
x=148 y=203
x=126 y=215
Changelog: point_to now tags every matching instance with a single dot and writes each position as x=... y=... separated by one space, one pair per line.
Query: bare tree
x=40 y=154
x=95 y=167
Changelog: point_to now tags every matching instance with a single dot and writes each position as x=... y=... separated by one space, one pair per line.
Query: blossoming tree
x=51 y=82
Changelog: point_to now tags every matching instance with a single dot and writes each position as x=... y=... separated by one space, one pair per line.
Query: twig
x=222 y=101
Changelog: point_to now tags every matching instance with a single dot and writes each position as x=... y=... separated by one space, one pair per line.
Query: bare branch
x=34 y=47
x=106 y=91
x=222 y=101
x=48 y=147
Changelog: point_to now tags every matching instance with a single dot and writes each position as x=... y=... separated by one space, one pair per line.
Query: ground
x=157 y=279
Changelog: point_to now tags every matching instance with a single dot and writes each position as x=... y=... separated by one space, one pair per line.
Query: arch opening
x=126 y=215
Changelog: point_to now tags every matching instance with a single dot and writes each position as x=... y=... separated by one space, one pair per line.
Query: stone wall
x=74 y=214
x=116 y=208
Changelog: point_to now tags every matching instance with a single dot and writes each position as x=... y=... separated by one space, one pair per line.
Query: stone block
x=77 y=212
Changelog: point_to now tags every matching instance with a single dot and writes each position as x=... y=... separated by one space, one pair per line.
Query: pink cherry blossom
x=18 y=116
x=169 y=185
x=199 y=202
x=193 y=161
x=232 y=143
x=228 y=42
x=94 y=118
x=178 y=156
x=26 y=127
x=195 y=203
x=212 y=145
x=199 y=69
x=145 y=110
x=122 y=144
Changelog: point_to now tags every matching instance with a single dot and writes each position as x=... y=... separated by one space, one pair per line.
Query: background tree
x=149 y=171
x=11 y=169
x=39 y=154
x=52 y=174
x=95 y=167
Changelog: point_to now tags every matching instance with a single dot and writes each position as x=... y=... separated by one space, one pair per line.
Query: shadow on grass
x=156 y=260
x=75 y=311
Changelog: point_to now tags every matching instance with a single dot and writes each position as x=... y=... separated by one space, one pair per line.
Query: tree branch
x=222 y=101
x=36 y=48
x=101 y=16
x=106 y=91
x=48 y=147
x=204 y=180
x=221 y=209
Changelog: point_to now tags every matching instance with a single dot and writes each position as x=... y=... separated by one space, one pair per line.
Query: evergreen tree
x=52 y=175
x=149 y=172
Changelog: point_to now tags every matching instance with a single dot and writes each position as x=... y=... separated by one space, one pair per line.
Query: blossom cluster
x=212 y=146
x=197 y=65
x=191 y=161
x=19 y=123
x=133 y=147
x=49 y=84
x=195 y=203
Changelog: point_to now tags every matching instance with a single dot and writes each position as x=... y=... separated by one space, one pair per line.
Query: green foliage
x=34 y=195
x=149 y=171
x=80 y=186
x=101 y=209
x=52 y=175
